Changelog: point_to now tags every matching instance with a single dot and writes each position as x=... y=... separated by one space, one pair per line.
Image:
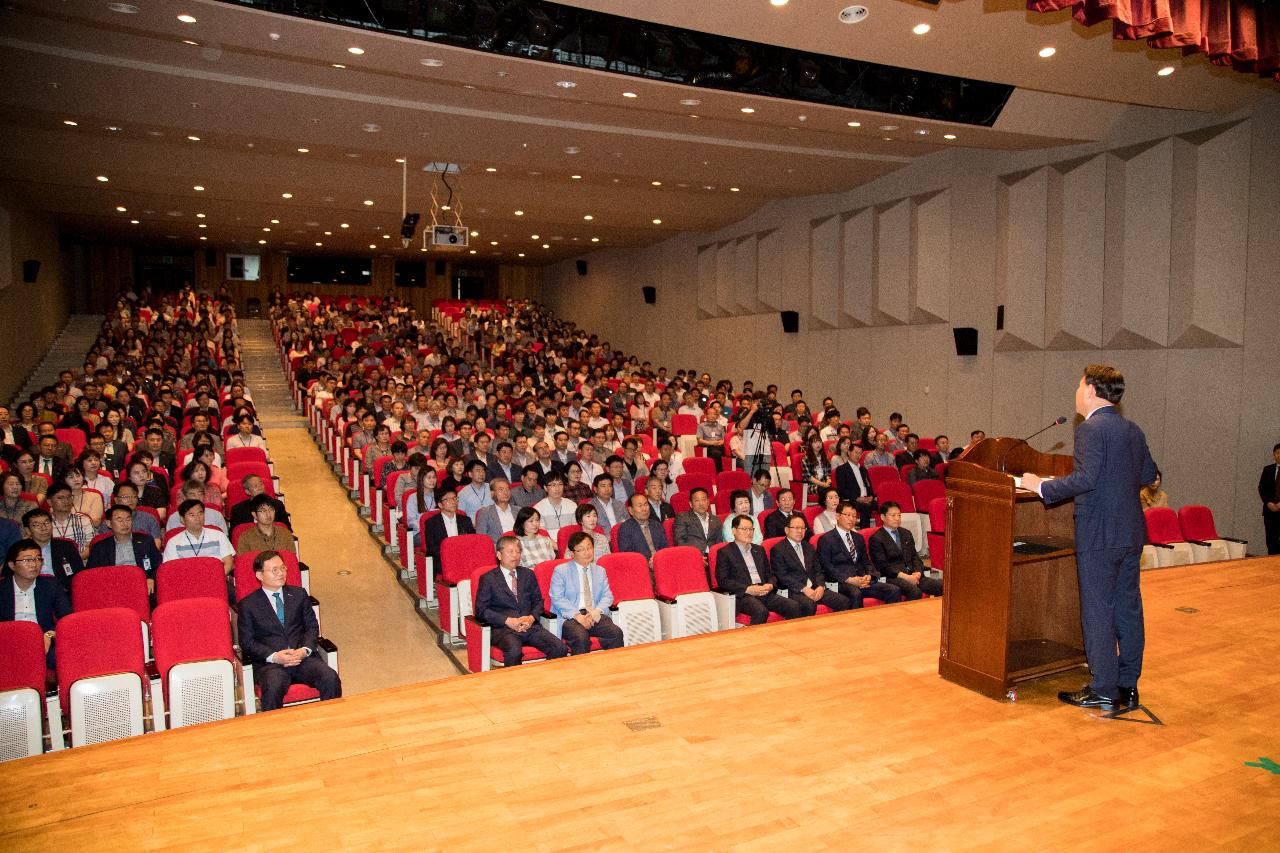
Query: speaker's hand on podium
x=1031 y=483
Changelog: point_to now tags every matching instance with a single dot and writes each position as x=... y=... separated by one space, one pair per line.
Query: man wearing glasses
x=580 y=595
x=26 y=595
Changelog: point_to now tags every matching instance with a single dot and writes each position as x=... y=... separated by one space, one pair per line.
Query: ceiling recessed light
x=371 y=127
x=273 y=36
x=656 y=183
x=472 y=251
x=446 y=207
x=533 y=237
x=1046 y=52
x=690 y=102
x=657 y=222
x=133 y=222
x=920 y=29
x=546 y=245
x=432 y=62
x=475 y=233
x=112 y=128
x=343 y=225
x=630 y=95
x=193 y=43
x=399 y=159
x=265 y=228
x=275 y=222
x=69 y=123
x=199 y=216
x=204 y=238
x=588 y=217
x=595 y=239
x=520 y=254
x=572 y=149
x=368 y=202
x=576 y=177
x=748 y=110
x=202 y=225
x=694 y=115
x=373 y=245
x=198 y=188
x=338 y=65
x=948 y=136
x=855 y=124
x=889 y=127
x=734 y=189
x=777 y=2
x=887 y=138
x=262 y=242
x=566 y=84
x=193 y=138
x=103 y=178
x=304 y=150
x=358 y=51
x=187 y=19
x=1166 y=71
x=519 y=213
x=319 y=244
x=853 y=14
x=121 y=208
x=493 y=242
x=123 y=8
x=921 y=132
x=286 y=195
x=490 y=169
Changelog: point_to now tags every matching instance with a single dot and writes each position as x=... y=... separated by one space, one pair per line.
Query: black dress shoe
x=1128 y=698
x=1086 y=698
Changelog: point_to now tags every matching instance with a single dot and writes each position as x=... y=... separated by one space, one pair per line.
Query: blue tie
x=896 y=541
x=279 y=607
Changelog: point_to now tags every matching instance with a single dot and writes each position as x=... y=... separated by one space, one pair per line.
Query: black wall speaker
x=210 y=257
x=790 y=321
x=30 y=271
x=439 y=267
x=966 y=340
x=582 y=267
x=650 y=293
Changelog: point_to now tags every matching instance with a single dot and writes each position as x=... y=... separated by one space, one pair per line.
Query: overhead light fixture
x=304 y=150
x=1046 y=52
x=103 y=178
x=112 y=128
x=343 y=225
x=371 y=127
x=121 y=208
x=853 y=14
x=193 y=138
x=546 y=245
x=187 y=19
x=368 y=202
x=576 y=177
x=262 y=242
x=656 y=183
x=133 y=221
x=319 y=244
x=777 y=2
x=69 y=123
x=630 y=95
x=747 y=110
x=275 y=222
x=595 y=239
x=475 y=233
x=920 y=29
x=690 y=102
x=199 y=216
x=193 y=44
x=337 y=65
x=1166 y=71
x=202 y=225
x=471 y=251
x=357 y=51
x=493 y=242
x=490 y=169
x=123 y=8
x=734 y=189
x=373 y=245
x=588 y=217
x=265 y=228
x=657 y=222
x=520 y=254
x=198 y=188
x=432 y=62
x=519 y=213
x=533 y=236
x=921 y=132
x=855 y=124
x=948 y=136
x=286 y=195
x=889 y=127
x=566 y=84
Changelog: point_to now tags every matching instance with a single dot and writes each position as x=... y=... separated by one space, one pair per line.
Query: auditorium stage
x=828 y=733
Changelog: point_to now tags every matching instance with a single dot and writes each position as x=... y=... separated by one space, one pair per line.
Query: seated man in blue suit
x=28 y=596
x=842 y=554
x=509 y=602
x=279 y=634
x=641 y=533
x=580 y=595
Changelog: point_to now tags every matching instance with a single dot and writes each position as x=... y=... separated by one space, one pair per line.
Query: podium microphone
x=1059 y=422
x=1009 y=449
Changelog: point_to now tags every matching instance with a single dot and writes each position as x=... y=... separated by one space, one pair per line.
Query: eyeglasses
x=30 y=560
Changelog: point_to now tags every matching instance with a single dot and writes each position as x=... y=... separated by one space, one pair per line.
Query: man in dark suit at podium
x=1112 y=462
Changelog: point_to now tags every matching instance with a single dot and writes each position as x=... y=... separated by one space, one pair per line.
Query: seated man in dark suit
x=893 y=551
x=854 y=486
x=279 y=634
x=60 y=557
x=10 y=532
x=698 y=527
x=743 y=569
x=775 y=523
x=795 y=564
x=509 y=601
x=52 y=457
x=659 y=509
x=242 y=512
x=27 y=595
x=843 y=557
x=641 y=533
x=447 y=522
x=125 y=548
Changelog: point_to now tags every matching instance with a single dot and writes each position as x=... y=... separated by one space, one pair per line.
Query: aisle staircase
x=66 y=352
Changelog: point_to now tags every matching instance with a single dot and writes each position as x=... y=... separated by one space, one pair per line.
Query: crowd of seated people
x=150 y=454
x=506 y=421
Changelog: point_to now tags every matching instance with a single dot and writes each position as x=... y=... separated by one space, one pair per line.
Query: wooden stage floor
x=829 y=733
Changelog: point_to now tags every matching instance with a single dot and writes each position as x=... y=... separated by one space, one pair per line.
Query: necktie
x=46 y=466
x=896 y=540
x=800 y=554
x=279 y=607
x=1277 y=495
x=511 y=581
x=648 y=537
x=853 y=552
x=586 y=586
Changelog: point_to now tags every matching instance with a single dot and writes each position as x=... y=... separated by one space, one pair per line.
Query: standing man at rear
x=1112 y=462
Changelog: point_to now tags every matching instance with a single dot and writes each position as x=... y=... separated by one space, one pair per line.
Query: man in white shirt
x=244 y=436
x=29 y=596
x=196 y=540
x=192 y=490
x=555 y=509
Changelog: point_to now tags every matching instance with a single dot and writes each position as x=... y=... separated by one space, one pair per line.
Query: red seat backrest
x=938 y=515
x=191 y=577
x=462 y=554
x=190 y=629
x=562 y=536
x=680 y=503
x=925 y=491
x=700 y=465
x=98 y=642
x=689 y=480
x=729 y=480
x=628 y=576
x=111 y=586
x=1162 y=525
x=711 y=558
x=898 y=492
x=22 y=664
x=678 y=570
x=543 y=572
x=1196 y=522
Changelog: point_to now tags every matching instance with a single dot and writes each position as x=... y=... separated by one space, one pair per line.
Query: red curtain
x=1244 y=34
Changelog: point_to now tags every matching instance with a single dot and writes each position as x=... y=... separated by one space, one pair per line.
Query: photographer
x=758 y=430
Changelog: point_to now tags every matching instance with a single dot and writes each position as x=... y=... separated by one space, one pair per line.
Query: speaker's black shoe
x=1086 y=698
x=1128 y=699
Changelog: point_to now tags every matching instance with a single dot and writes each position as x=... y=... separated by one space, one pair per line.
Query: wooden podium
x=1012 y=606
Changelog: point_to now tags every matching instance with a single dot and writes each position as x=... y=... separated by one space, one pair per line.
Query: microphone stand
x=1000 y=463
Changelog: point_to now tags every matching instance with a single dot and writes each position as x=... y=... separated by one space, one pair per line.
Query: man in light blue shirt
x=475 y=494
x=580 y=595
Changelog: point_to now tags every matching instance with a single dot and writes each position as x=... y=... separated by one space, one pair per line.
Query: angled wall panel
x=1021 y=262
x=744 y=275
x=857 y=291
x=707 y=281
x=824 y=272
x=1079 y=240
x=931 y=257
x=893 y=263
x=1137 y=299
x=724 y=279
x=769 y=285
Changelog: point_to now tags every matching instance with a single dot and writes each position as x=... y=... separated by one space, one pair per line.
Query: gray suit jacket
x=620 y=514
x=489 y=524
x=687 y=530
